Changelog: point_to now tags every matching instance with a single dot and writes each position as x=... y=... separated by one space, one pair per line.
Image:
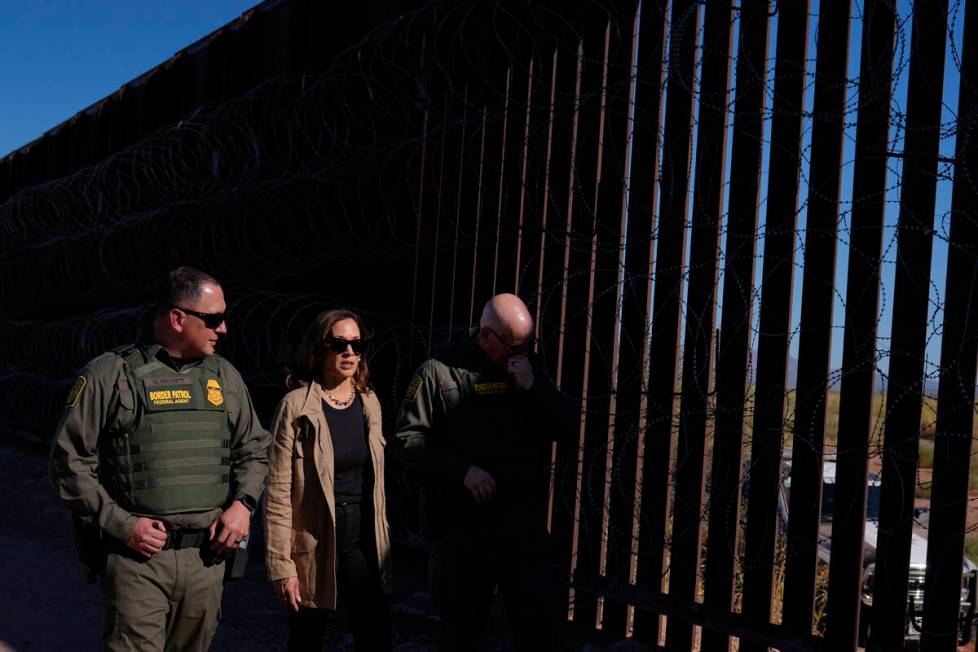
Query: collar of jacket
x=465 y=354
x=312 y=404
x=153 y=350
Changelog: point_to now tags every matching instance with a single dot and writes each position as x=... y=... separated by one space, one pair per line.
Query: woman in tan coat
x=325 y=520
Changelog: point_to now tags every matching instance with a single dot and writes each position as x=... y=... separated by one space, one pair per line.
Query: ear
x=176 y=319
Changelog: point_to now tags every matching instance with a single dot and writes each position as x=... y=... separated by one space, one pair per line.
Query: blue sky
x=943 y=202
x=59 y=56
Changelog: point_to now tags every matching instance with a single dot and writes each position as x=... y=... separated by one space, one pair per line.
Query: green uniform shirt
x=96 y=405
x=461 y=410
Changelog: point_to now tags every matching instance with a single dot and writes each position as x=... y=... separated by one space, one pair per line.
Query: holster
x=90 y=545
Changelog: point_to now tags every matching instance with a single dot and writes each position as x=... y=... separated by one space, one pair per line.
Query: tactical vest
x=175 y=456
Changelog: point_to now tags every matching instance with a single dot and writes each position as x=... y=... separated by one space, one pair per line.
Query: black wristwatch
x=250 y=503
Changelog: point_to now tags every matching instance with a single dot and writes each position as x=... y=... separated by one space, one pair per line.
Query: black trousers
x=360 y=590
x=468 y=564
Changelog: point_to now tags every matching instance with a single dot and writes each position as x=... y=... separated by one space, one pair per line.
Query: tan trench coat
x=300 y=529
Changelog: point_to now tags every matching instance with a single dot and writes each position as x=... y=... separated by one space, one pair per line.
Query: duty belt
x=179 y=538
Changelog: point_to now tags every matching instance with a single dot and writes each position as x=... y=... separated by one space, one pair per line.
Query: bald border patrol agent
x=477 y=424
x=161 y=459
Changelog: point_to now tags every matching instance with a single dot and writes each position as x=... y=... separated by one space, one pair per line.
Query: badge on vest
x=214 y=394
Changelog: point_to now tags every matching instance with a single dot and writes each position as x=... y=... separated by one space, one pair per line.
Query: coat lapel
x=312 y=409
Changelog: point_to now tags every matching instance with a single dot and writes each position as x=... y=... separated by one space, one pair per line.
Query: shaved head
x=505 y=327
x=507 y=315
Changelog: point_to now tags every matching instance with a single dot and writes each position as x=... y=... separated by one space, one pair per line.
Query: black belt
x=176 y=539
x=179 y=538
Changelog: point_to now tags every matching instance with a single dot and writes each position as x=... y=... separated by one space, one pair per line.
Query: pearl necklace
x=338 y=401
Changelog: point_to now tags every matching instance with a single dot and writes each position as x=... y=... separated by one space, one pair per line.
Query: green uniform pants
x=170 y=602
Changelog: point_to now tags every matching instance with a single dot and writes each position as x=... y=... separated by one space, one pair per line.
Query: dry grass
x=971 y=548
x=926 y=454
x=878 y=415
x=926 y=431
x=928 y=417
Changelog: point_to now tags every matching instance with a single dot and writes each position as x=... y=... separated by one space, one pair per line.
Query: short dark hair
x=182 y=286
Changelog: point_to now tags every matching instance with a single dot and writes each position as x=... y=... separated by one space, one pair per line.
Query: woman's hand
x=288 y=592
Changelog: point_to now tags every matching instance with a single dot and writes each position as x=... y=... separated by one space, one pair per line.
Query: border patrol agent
x=162 y=459
x=477 y=424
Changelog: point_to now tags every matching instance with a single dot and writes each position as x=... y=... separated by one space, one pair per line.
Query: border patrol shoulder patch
x=75 y=392
x=412 y=390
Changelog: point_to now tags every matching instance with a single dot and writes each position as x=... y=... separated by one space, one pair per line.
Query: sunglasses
x=338 y=345
x=211 y=320
x=514 y=350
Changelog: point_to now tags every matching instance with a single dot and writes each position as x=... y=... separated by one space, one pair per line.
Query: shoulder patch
x=75 y=392
x=413 y=387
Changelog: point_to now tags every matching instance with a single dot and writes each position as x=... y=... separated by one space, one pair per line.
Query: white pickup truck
x=918 y=552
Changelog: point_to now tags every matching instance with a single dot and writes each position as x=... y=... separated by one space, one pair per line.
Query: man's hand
x=481 y=484
x=147 y=537
x=229 y=528
x=520 y=371
x=287 y=590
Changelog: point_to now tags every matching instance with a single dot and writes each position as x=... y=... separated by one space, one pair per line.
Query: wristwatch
x=250 y=503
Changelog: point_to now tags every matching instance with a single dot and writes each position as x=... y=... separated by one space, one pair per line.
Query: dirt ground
x=45 y=605
x=42 y=582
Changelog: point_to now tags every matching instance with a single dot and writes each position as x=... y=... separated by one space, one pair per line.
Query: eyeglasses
x=514 y=349
x=211 y=320
x=338 y=345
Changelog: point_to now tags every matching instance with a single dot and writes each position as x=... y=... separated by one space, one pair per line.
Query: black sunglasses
x=514 y=350
x=338 y=345
x=211 y=320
